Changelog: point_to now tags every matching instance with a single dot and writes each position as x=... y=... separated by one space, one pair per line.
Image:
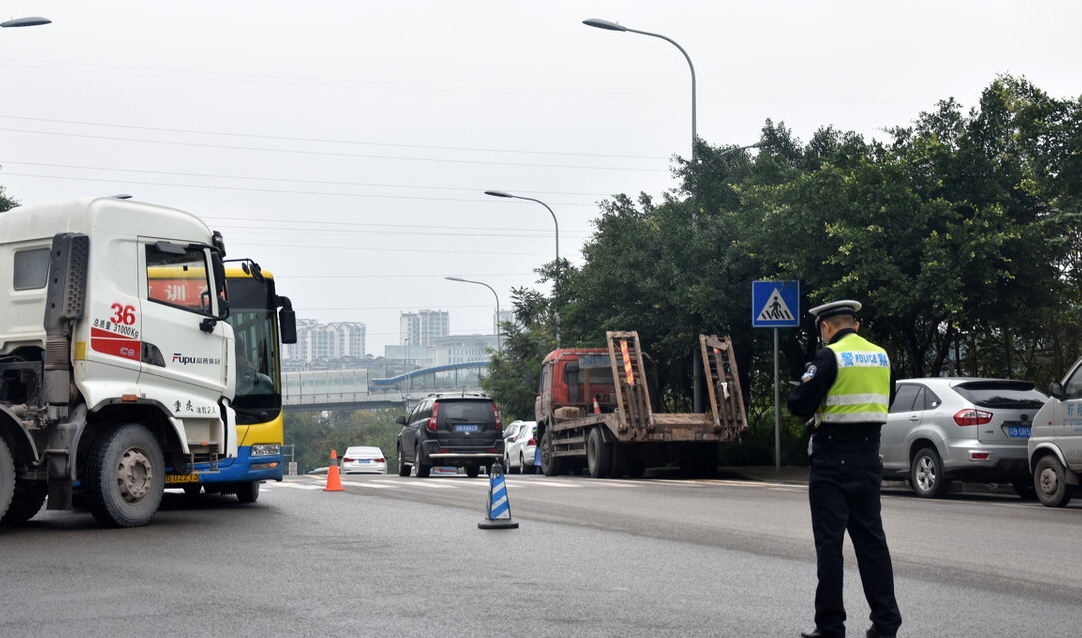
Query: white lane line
x=372 y=484
x=295 y=486
x=540 y=483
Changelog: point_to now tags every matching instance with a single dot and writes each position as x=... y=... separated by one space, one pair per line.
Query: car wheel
x=522 y=467
x=926 y=474
x=1050 y=482
x=403 y=469
x=506 y=464
x=598 y=454
x=422 y=469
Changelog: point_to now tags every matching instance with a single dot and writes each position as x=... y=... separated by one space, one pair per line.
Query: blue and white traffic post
x=775 y=304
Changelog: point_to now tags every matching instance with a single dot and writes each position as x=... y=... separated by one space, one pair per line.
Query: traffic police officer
x=848 y=388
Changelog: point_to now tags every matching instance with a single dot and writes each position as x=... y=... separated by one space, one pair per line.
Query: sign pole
x=776 y=304
x=777 y=408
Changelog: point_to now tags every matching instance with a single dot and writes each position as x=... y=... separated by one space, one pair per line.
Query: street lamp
x=612 y=26
x=25 y=22
x=499 y=346
x=554 y=221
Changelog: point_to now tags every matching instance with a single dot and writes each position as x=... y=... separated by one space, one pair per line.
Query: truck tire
x=550 y=465
x=26 y=502
x=248 y=491
x=7 y=477
x=598 y=454
x=124 y=476
x=1050 y=481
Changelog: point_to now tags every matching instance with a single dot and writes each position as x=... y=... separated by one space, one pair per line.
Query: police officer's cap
x=835 y=308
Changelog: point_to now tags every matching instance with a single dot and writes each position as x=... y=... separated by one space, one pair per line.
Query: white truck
x=106 y=383
x=1055 y=441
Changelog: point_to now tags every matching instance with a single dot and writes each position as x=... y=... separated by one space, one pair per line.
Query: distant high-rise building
x=421 y=327
x=326 y=341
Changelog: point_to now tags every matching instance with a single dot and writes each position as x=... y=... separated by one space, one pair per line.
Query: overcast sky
x=346 y=145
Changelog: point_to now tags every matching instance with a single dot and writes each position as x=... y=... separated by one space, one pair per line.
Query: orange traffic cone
x=334 y=481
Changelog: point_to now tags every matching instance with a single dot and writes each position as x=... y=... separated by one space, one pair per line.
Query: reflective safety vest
x=861 y=391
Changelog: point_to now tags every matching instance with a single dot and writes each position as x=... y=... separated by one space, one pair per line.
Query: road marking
x=373 y=484
x=295 y=486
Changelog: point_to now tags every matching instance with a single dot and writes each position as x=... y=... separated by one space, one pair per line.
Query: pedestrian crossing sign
x=775 y=304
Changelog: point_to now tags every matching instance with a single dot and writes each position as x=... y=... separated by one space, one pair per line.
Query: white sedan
x=363 y=460
x=520 y=452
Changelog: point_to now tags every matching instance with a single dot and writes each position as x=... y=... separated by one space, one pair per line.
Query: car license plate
x=1018 y=431
x=468 y=427
x=364 y=460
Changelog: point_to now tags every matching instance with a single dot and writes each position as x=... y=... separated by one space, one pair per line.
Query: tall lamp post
x=499 y=347
x=554 y=221
x=25 y=22
x=608 y=25
x=612 y=26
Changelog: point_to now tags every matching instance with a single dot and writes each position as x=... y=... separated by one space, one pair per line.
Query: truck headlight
x=266 y=449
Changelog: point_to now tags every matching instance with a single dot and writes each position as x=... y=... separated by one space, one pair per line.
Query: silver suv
x=943 y=429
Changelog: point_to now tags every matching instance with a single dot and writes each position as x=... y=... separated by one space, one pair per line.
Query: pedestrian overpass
x=353 y=389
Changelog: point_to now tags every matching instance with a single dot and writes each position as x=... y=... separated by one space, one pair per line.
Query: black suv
x=458 y=429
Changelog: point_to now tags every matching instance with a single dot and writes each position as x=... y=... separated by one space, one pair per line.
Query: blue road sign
x=775 y=304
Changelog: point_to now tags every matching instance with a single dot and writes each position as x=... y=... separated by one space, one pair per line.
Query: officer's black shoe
x=875 y=633
x=814 y=633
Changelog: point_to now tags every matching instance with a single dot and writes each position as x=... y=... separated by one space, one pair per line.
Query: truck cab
x=106 y=379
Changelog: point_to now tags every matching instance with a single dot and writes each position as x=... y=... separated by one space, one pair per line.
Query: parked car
x=520 y=452
x=510 y=433
x=363 y=460
x=459 y=429
x=1055 y=443
x=944 y=429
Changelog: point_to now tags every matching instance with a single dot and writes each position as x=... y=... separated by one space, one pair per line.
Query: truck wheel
x=25 y=503
x=192 y=490
x=1050 y=481
x=248 y=491
x=422 y=469
x=926 y=474
x=550 y=465
x=7 y=477
x=473 y=471
x=125 y=476
x=598 y=454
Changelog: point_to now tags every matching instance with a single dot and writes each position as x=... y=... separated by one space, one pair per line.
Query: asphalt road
x=394 y=556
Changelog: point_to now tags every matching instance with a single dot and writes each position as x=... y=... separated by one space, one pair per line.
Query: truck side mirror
x=1055 y=389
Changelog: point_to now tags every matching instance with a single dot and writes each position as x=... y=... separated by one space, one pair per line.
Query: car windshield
x=1019 y=395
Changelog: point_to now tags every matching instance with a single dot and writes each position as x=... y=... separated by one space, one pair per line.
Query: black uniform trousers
x=846 y=474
